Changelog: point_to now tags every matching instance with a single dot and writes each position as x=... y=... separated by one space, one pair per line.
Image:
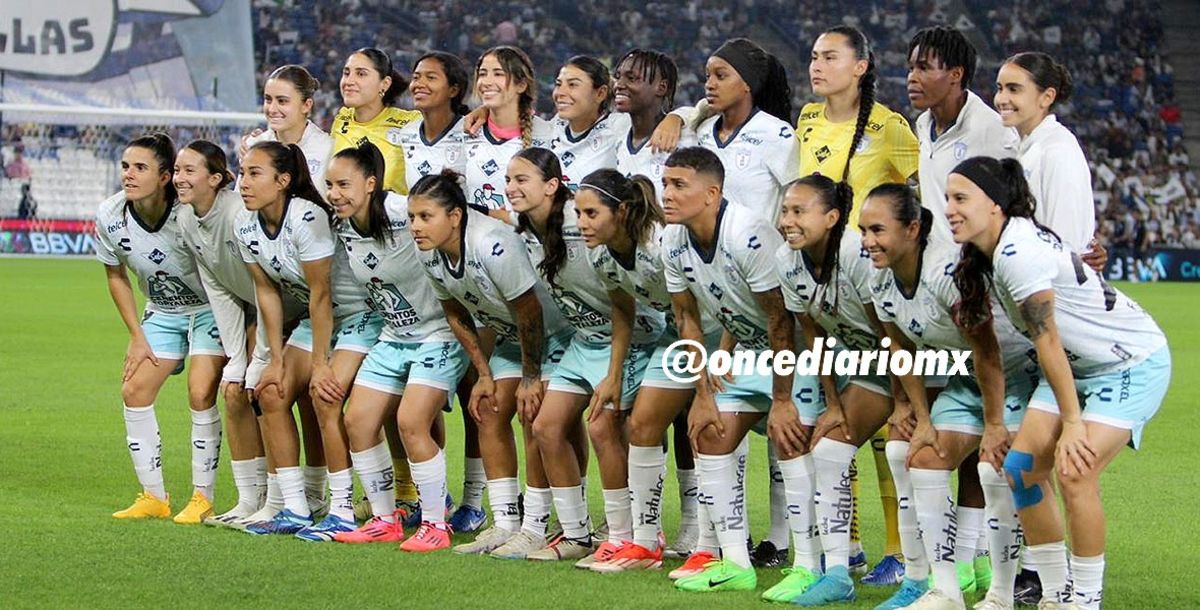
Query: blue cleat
x=467 y=519
x=908 y=594
x=412 y=511
x=833 y=587
x=888 y=572
x=286 y=522
x=858 y=563
x=324 y=531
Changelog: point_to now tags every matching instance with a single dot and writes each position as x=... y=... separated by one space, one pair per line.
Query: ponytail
x=214 y=160
x=1046 y=74
x=866 y=87
x=444 y=189
x=833 y=196
x=289 y=159
x=163 y=148
x=776 y=96
x=383 y=66
x=553 y=244
x=642 y=211
x=367 y=158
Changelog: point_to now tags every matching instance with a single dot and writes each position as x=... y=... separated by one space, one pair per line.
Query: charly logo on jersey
x=308 y=216
x=1009 y=249
x=960 y=151
x=253 y=247
x=125 y=244
x=157 y=256
x=486 y=196
x=497 y=249
x=742 y=159
x=371 y=261
x=425 y=168
x=786 y=132
x=490 y=167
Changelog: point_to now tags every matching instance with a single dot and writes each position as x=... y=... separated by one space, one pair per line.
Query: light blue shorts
x=656 y=375
x=1126 y=399
x=356 y=333
x=390 y=366
x=585 y=364
x=173 y=336
x=752 y=394
x=506 y=357
x=959 y=408
x=878 y=384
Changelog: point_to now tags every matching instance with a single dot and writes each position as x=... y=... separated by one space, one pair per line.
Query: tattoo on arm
x=1038 y=314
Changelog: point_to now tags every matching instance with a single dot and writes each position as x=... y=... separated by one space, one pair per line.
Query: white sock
x=970 y=523
x=245 y=479
x=206 y=450
x=316 y=485
x=935 y=514
x=274 y=493
x=1004 y=535
x=647 y=469
x=834 y=502
x=374 y=468
x=618 y=515
x=260 y=472
x=430 y=478
x=983 y=545
x=572 y=512
x=537 y=509
x=742 y=453
x=689 y=509
x=724 y=489
x=291 y=487
x=474 y=482
x=707 y=540
x=341 y=494
x=1052 y=569
x=779 y=533
x=145 y=449
x=1087 y=577
x=502 y=496
x=916 y=565
x=799 y=480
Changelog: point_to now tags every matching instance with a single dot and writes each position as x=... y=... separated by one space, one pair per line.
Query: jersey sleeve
x=231 y=324
x=881 y=288
x=784 y=159
x=673 y=265
x=754 y=249
x=507 y=265
x=859 y=271
x=429 y=264
x=313 y=237
x=904 y=152
x=106 y=251
x=1024 y=268
x=1066 y=196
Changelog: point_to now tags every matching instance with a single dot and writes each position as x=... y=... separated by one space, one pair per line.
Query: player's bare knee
x=927 y=459
x=1077 y=485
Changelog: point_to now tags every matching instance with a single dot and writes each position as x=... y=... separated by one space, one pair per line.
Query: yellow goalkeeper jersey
x=384 y=131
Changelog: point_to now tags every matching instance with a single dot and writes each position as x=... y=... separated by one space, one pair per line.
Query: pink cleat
x=429 y=537
x=375 y=530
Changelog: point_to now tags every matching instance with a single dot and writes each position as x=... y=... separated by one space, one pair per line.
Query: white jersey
x=595 y=148
x=487 y=160
x=924 y=314
x=1101 y=329
x=304 y=236
x=1061 y=182
x=317 y=146
x=163 y=264
x=977 y=132
x=212 y=240
x=760 y=159
x=426 y=158
x=387 y=271
x=633 y=160
x=494 y=270
x=840 y=306
x=725 y=280
x=580 y=295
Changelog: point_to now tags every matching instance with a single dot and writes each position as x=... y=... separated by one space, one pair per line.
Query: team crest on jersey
x=394 y=136
x=731 y=272
x=568 y=158
x=490 y=167
x=313 y=166
x=157 y=256
x=424 y=168
x=452 y=155
x=482 y=281
x=573 y=252
x=371 y=261
x=487 y=197
x=822 y=154
x=960 y=151
x=742 y=159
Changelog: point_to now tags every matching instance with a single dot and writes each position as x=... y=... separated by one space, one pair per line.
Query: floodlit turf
x=64 y=469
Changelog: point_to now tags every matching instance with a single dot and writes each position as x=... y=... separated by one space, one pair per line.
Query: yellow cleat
x=146 y=506
x=196 y=511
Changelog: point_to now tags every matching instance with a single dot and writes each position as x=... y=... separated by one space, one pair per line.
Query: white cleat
x=1047 y=604
x=936 y=600
x=491 y=539
x=266 y=513
x=994 y=602
x=685 y=542
x=519 y=546
x=226 y=519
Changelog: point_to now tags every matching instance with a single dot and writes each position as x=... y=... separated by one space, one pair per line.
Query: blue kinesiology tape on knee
x=1017 y=464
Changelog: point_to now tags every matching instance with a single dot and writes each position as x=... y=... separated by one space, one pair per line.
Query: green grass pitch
x=64 y=469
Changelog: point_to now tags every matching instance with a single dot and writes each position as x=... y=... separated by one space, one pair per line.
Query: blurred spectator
x=18 y=169
x=27 y=209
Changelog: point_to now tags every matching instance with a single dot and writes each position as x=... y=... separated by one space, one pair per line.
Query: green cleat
x=720 y=576
x=795 y=582
x=983 y=573
x=966 y=576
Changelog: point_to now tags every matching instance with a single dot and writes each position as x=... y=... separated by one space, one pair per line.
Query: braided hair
x=519 y=68
x=866 y=87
